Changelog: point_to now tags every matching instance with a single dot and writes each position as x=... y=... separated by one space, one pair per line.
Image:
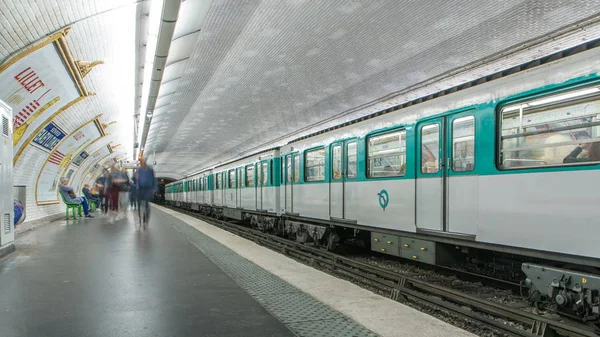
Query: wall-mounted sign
x=69 y=174
x=59 y=159
x=82 y=156
x=36 y=86
x=49 y=136
x=91 y=168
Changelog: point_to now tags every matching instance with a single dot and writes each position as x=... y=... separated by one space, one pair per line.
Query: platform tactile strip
x=301 y=313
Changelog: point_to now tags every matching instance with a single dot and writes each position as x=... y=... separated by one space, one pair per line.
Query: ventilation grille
x=6 y=223
x=5 y=126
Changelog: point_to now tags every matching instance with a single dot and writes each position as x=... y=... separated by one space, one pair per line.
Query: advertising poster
x=36 y=87
x=59 y=159
x=80 y=158
x=49 y=137
x=91 y=167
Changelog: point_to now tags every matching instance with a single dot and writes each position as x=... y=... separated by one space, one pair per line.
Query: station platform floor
x=182 y=277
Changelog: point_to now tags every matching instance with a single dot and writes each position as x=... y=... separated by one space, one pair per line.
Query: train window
x=271 y=171
x=336 y=162
x=562 y=129
x=314 y=165
x=231 y=178
x=296 y=168
x=219 y=180
x=240 y=182
x=351 y=155
x=386 y=155
x=430 y=148
x=250 y=176
x=463 y=144
x=288 y=165
x=265 y=173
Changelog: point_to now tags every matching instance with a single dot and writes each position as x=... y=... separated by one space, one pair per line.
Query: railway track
x=494 y=316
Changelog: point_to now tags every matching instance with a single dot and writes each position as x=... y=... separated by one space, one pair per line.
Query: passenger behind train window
x=561 y=129
x=589 y=152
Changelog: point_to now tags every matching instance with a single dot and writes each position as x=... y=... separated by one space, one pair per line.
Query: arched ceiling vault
x=259 y=71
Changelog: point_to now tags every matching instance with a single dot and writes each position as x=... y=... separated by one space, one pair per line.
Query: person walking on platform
x=113 y=181
x=103 y=190
x=133 y=194
x=147 y=186
x=69 y=194
x=124 y=192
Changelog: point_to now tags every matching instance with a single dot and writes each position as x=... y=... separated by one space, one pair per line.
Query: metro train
x=506 y=167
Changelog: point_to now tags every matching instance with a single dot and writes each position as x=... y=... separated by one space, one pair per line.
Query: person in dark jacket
x=91 y=197
x=593 y=153
x=133 y=194
x=102 y=190
x=146 y=187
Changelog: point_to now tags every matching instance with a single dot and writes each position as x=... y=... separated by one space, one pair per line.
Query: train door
x=446 y=192
x=343 y=170
x=238 y=193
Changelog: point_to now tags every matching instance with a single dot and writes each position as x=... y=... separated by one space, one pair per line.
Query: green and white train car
x=509 y=166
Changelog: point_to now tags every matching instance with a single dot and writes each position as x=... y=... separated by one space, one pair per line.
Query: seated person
x=593 y=153
x=90 y=195
x=69 y=195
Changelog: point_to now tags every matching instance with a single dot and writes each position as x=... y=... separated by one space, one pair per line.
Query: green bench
x=73 y=206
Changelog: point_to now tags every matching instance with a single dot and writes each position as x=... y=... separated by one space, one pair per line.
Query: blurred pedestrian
x=113 y=181
x=147 y=186
x=124 y=193
x=101 y=184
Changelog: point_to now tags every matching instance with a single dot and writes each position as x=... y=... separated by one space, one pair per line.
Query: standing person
x=113 y=181
x=103 y=190
x=124 y=188
x=133 y=194
x=147 y=186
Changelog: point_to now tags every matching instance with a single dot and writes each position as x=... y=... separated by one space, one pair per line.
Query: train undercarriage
x=557 y=286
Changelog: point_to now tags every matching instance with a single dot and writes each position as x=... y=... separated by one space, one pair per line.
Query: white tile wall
x=95 y=35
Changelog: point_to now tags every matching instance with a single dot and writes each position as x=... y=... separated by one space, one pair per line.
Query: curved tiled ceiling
x=261 y=70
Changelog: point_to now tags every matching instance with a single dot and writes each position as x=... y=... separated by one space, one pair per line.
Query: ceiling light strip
x=170 y=13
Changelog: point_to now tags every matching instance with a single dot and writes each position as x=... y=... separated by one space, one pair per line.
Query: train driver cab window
x=250 y=176
x=314 y=165
x=231 y=178
x=386 y=155
x=562 y=129
x=463 y=144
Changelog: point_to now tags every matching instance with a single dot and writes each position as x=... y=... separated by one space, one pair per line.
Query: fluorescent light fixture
x=552 y=99
x=151 y=41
